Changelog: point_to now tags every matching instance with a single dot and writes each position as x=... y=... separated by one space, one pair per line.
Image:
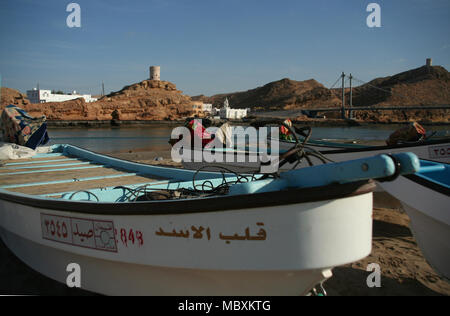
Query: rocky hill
x=277 y=95
x=421 y=86
x=160 y=100
x=11 y=96
x=146 y=100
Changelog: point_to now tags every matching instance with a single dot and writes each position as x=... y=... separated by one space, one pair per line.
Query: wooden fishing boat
x=140 y=229
x=425 y=196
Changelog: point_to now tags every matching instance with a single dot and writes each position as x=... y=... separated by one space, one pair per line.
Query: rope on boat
x=207 y=186
x=84 y=191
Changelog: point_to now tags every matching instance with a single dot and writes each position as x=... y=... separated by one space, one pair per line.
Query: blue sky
x=211 y=46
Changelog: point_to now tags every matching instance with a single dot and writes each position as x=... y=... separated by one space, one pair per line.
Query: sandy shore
x=404 y=271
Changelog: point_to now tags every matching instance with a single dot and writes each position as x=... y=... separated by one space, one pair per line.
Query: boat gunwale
x=198 y=205
x=346 y=150
x=428 y=183
x=385 y=147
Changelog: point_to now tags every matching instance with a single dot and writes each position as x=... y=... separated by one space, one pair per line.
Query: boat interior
x=435 y=172
x=72 y=173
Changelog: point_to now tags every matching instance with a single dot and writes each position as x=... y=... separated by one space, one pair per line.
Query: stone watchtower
x=155 y=73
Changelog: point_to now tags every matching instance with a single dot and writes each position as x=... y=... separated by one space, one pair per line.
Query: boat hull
x=229 y=256
x=430 y=220
x=433 y=237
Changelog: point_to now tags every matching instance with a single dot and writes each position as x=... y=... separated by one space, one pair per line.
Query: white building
x=207 y=107
x=43 y=96
x=234 y=114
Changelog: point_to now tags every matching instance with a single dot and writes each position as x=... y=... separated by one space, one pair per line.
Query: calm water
x=156 y=138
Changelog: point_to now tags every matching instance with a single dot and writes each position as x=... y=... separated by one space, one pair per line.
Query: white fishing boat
x=136 y=229
x=305 y=152
x=425 y=196
x=250 y=160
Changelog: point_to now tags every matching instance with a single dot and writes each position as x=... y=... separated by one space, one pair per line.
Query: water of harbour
x=155 y=138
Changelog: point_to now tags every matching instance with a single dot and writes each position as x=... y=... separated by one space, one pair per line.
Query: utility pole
x=343 y=96
x=103 y=89
x=350 y=113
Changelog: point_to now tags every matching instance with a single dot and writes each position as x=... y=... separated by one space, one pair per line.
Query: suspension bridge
x=350 y=108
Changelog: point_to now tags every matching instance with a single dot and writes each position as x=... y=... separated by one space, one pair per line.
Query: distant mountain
x=420 y=86
x=282 y=94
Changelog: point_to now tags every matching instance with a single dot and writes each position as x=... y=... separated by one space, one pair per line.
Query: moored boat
x=140 y=229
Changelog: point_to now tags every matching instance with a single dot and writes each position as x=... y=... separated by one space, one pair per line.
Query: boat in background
x=425 y=197
x=136 y=229
x=249 y=159
x=304 y=152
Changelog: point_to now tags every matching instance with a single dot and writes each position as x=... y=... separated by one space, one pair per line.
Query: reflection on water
x=155 y=138
x=106 y=140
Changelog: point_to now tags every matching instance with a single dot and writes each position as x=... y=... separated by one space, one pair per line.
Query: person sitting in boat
x=285 y=134
x=411 y=133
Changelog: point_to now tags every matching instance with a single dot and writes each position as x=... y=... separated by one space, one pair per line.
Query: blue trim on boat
x=47 y=155
x=162 y=172
x=434 y=176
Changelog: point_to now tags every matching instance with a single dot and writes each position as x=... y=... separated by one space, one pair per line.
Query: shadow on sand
x=16 y=278
x=390 y=230
x=353 y=282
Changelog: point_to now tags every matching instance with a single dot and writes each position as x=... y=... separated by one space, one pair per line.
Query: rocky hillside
x=421 y=86
x=146 y=100
x=11 y=96
x=160 y=100
x=282 y=94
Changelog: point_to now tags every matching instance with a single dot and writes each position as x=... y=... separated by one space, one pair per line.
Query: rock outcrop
x=11 y=96
x=146 y=100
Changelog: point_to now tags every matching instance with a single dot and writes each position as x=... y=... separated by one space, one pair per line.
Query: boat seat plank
x=82 y=185
x=59 y=165
x=9 y=161
x=58 y=175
